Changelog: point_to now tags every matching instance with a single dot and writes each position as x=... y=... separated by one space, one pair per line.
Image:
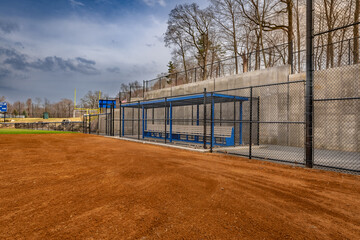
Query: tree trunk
x=356 y=32
x=235 y=45
x=290 y=33
x=184 y=63
x=298 y=36
x=245 y=62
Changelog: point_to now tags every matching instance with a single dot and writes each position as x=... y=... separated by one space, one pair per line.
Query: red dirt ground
x=75 y=186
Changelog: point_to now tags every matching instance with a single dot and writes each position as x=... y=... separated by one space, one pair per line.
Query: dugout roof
x=187 y=100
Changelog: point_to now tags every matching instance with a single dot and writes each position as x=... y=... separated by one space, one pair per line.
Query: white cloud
x=76 y=3
x=154 y=2
x=162 y=2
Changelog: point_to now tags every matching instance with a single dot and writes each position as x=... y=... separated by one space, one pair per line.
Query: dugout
x=208 y=119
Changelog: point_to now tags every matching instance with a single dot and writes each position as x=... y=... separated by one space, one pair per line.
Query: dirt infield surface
x=75 y=186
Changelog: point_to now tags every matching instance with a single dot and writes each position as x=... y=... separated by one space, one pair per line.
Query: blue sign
x=3 y=107
x=107 y=103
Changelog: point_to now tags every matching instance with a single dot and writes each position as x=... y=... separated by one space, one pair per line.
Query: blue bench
x=223 y=135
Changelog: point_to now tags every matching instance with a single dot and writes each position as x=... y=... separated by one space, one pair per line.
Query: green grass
x=28 y=131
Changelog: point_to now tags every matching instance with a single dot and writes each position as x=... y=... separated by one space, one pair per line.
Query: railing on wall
x=342 y=54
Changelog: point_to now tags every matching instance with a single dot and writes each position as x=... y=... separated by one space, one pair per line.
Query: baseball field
x=76 y=186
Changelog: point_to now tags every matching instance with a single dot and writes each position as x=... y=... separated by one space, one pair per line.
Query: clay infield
x=75 y=186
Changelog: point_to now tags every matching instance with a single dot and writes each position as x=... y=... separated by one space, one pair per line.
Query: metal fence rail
x=77 y=126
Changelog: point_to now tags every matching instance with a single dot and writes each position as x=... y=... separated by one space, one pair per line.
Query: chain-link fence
x=337 y=89
x=264 y=121
x=303 y=122
x=65 y=126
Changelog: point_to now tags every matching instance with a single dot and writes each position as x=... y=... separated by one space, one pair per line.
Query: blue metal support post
x=170 y=133
x=212 y=123
x=123 y=121
x=143 y=122
x=197 y=115
x=165 y=116
x=204 y=134
x=241 y=118
x=146 y=111
x=234 y=118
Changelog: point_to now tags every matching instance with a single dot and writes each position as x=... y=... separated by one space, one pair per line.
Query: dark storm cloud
x=19 y=61
x=8 y=52
x=4 y=73
x=8 y=27
x=85 y=61
x=79 y=65
x=113 y=70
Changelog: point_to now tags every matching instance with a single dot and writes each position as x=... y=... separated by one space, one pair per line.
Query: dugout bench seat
x=223 y=135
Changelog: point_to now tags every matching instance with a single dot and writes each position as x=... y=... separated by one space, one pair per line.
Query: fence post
x=120 y=118
x=143 y=121
x=112 y=119
x=165 y=117
x=123 y=122
x=89 y=124
x=106 y=120
x=176 y=79
x=204 y=137
x=170 y=123
x=234 y=119
x=220 y=117
x=309 y=98
x=130 y=95
x=349 y=52
x=132 y=121
x=258 y=119
x=250 y=127
x=212 y=123
x=139 y=120
x=143 y=88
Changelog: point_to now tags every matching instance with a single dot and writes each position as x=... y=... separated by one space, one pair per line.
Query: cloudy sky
x=50 y=47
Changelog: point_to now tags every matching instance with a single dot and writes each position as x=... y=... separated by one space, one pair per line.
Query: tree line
x=255 y=34
x=35 y=108
x=199 y=37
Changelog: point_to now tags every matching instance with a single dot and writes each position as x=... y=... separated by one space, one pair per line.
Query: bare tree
x=227 y=17
x=90 y=100
x=174 y=36
x=29 y=107
x=266 y=15
x=196 y=25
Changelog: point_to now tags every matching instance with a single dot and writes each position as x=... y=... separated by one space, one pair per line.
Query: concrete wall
x=260 y=77
x=337 y=123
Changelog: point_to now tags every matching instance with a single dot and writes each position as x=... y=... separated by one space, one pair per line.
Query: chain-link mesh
x=275 y=117
x=336 y=89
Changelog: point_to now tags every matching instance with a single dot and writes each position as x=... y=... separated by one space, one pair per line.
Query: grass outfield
x=28 y=131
